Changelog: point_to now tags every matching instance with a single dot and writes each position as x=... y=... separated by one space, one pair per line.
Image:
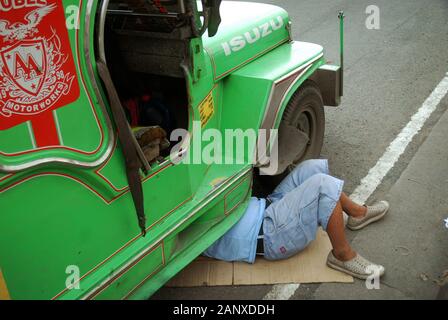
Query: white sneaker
x=358 y=267
x=374 y=213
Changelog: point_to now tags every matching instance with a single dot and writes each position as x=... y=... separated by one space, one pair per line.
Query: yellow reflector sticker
x=4 y=294
x=206 y=109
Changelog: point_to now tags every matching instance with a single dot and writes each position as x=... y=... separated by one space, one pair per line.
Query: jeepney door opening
x=145 y=46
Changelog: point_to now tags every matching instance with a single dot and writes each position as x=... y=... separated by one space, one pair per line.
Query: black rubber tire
x=306 y=99
x=305 y=110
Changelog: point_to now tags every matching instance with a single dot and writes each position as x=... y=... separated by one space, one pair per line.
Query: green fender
x=256 y=95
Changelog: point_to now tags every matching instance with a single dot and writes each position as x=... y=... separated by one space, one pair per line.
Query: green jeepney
x=84 y=214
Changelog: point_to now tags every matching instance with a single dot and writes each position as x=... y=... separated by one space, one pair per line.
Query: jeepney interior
x=146 y=47
x=146 y=50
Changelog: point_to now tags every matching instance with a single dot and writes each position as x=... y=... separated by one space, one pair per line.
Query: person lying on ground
x=287 y=221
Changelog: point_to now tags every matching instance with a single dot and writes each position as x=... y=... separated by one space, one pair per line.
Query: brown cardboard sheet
x=308 y=266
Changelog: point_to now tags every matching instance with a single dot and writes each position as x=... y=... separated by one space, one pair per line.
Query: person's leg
x=298 y=176
x=336 y=233
x=291 y=223
x=342 y=257
x=351 y=208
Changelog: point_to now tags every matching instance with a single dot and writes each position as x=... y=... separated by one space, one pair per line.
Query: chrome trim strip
x=40 y=162
x=102 y=24
x=272 y=107
x=299 y=76
x=142 y=253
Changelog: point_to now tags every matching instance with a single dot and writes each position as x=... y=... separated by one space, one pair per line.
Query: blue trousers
x=304 y=200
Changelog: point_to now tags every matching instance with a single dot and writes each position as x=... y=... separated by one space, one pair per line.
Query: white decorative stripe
x=30 y=130
x=58 y=127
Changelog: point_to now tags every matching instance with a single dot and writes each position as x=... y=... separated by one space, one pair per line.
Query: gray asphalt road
x=389 y=74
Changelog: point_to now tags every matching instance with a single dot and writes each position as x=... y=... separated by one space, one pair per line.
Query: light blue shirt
x=240 y=242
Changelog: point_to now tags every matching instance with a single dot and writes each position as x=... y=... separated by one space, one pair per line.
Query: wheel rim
x=306 y=122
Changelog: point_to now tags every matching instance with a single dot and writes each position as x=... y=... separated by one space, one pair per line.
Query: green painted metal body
x=74 y=208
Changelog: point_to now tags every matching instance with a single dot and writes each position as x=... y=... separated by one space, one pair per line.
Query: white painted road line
x=376 y=175
x=282 y=291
